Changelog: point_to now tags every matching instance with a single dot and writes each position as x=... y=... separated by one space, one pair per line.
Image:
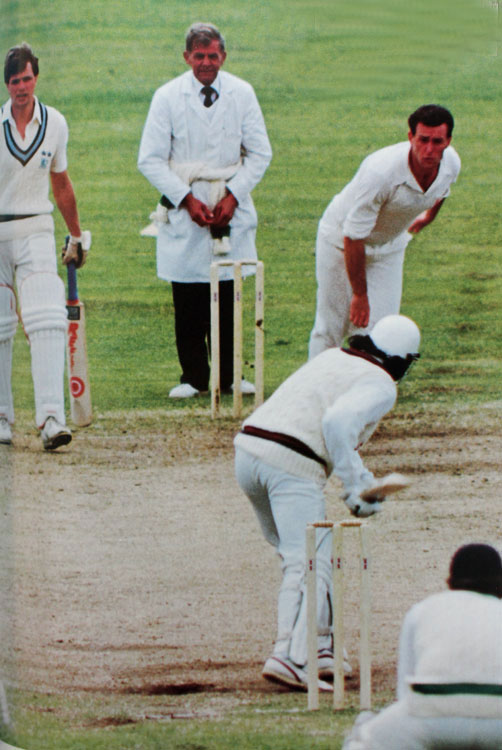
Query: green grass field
x=336 y=80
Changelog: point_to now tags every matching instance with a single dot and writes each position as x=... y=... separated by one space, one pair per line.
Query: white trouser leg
x=333 y=297
x=298 y=648
x=285 y=504
x=8 y=325
x=384 y=278
x=43 y=312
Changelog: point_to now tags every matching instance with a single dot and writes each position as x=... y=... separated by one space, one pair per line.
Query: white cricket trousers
x=384 y=278
x=284 y=505
x=395 y=729
x=31 y=260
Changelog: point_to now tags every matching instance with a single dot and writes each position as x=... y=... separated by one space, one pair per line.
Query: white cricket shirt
x=384 y=198
x=25 y=164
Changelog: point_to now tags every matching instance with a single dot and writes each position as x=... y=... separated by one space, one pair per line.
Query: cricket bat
x=76 y=354
x=385 y=486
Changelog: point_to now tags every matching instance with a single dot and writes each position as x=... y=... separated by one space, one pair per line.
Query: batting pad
x=42 y=302
x=8 y=315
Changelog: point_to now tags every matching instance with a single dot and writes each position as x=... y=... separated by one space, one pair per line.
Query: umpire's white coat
x=181 y=129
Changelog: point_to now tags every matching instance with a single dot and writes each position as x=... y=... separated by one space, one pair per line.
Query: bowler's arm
x=355 y=264
x=425 y=218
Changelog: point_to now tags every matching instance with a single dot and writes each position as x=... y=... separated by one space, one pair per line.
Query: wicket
x=338 y=619
x=215 y=334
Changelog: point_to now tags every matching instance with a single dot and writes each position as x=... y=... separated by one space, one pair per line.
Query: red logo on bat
x=72 y=341
x=77 y=386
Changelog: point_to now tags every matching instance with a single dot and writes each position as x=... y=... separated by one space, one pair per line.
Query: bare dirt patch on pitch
x=132 y=564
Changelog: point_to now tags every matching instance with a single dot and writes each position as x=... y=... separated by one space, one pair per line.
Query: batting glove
x=359 y=507
x=76 y=249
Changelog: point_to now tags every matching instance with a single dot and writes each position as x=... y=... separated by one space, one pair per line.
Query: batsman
x=313 y=426
x=32 y=157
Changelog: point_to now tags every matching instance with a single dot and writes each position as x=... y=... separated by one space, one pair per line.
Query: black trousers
x=192 y=324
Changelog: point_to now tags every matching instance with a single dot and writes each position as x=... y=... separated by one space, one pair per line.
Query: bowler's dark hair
x=203 y=34
x=17 y=59
x=431 y=115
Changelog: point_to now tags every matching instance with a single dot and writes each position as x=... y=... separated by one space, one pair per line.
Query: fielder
x=363 y=233
x=311 y=427
x=32 y=155
x=449 y=692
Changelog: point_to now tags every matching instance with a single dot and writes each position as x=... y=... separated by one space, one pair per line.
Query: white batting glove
x=359 y=507
x=76 y=249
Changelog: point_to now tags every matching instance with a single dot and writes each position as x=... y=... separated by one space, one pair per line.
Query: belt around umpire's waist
x=287 y=440
x=16 y=217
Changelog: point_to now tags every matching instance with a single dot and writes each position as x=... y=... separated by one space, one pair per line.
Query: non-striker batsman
x=32 y=157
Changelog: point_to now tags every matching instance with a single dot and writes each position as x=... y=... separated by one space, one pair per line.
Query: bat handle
x=72 y=282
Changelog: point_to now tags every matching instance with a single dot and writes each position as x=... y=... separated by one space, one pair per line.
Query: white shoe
x=326 y=664
x=54 y=434
x=247 y=388
x=5 y=432
x=183 y=390
x=284 y=672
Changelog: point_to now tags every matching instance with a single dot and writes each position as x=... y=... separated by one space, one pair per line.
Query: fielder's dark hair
x=16 y=60
x=476 y=567
x=431 y=115
x=203 y=34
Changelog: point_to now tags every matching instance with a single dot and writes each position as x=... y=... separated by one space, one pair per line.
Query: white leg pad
x=42 y=302
x=43 y=312
x=8 y=325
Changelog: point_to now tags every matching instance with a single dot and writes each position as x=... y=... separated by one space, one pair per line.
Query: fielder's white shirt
x=452 y=637
x=26 y=163
x=384 y=198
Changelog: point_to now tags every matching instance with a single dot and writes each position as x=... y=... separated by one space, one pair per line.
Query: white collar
x=216 y=84
x=7 y=112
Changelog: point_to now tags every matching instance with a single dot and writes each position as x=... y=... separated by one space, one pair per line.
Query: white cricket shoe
x=247 y=388
x=5 y=431
x=285 y=672
x=326 y=664
x=54 y=434
x=183 y=390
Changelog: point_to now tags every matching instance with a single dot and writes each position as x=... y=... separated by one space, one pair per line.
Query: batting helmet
x=396 y=336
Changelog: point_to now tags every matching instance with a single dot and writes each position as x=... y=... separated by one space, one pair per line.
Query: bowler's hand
x=199 y=212
x=419 y=223
x=360 y=310
x=224 y=210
